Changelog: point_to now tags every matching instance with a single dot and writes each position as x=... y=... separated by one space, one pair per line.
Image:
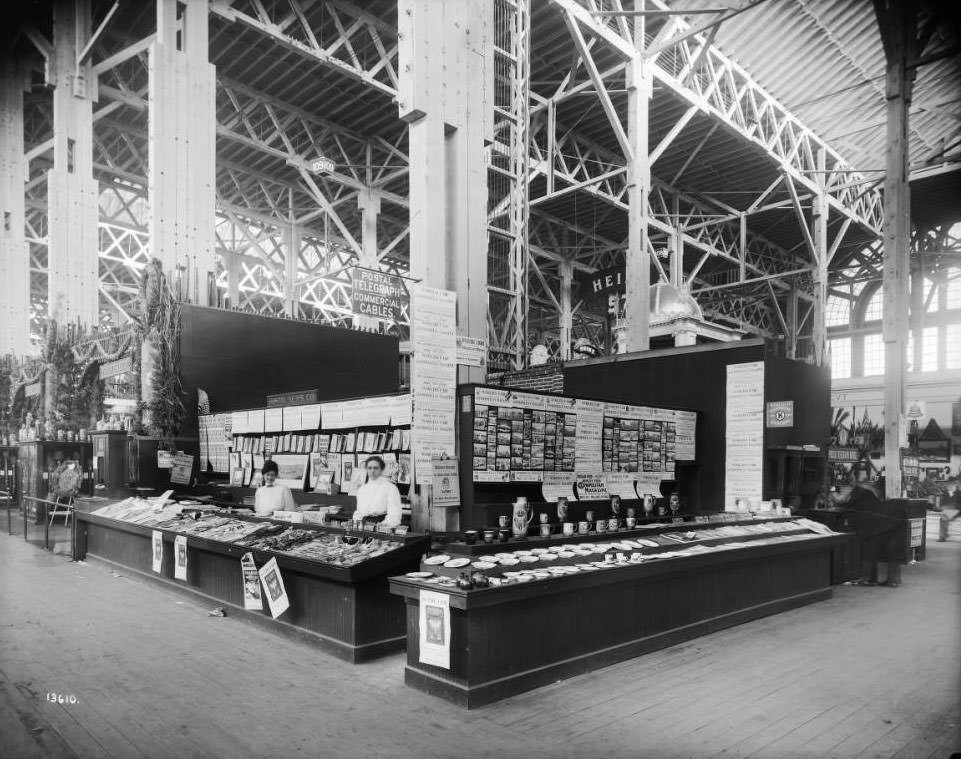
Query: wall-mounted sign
x=116 y=368
x=377 y=294
x=780 y=413
x=471 y=351
x=291 y=399
x=182 y=469
x=322 y=165
x=32 y=389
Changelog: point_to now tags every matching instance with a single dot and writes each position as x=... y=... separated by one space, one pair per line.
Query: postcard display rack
x=482 y=626
x=317 y=446
x=543 y=446
x=335 y=579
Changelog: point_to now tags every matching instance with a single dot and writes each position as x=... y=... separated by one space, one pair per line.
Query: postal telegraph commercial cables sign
x=377 y=294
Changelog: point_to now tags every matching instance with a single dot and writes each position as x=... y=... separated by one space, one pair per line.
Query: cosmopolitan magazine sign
x=377 y=294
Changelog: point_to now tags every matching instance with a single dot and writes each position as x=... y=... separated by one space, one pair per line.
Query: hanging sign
x=322 y=165
x=274 y=585
x=376 y=294
x=434 y=629
x=744 y=436
x=32 y=390
x=181 y=469
x=116 y=368
x=157 y=541
x=841 y=455
x=180 y=557
x=251 y=579
x=557 y=485
x=603 y=282
x=446 y=490
x=780 y=413
x=591 y=486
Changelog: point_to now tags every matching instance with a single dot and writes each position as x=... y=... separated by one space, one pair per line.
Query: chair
x=62 y=504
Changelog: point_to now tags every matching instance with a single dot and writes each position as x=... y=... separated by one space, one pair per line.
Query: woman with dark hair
x=272 y=496
x=378 y=497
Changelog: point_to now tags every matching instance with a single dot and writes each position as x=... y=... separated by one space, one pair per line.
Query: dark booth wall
x=240 y=358
x=696 y=378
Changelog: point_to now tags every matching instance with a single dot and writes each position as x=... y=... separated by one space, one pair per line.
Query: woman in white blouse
x=272 y=496
x=378 y=497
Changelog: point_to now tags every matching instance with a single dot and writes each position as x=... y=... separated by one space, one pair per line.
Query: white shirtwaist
x=378 y=497
x=271 y=498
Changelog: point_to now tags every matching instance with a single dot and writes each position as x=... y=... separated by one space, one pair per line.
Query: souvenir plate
x=483 y=564
x=433 y=561
x=503 y=556
x=509 y=562
x=645 y=542
x=538 y=551
x=566 y=555
x=432 y=580
x=548 y=557
x=557 y=549
x=419 y=575
x=529 y=559
x=523 y=553
x=457 y=563
x=524 y=578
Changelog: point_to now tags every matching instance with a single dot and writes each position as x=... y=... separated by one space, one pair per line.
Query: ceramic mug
x=582 y=527
x=631 y=521
x=470 y=536
x=601 y=526
x=630 y=511
x=503 y=521
x=505 y=535
x=545 y=530
x=544 y=518
x=613 y=523
x=589 y=516
x=568 y=528
x=489 y=536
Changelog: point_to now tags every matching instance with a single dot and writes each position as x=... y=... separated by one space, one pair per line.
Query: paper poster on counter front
x=180 y=557
x=157 y=540
x=273 y=583
x=434 y=629
x=253 y=599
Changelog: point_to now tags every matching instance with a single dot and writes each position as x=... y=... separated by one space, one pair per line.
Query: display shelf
x=347 y=611
x=512 y=638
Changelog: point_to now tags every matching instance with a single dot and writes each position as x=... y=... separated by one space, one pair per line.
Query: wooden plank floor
x=873 y=672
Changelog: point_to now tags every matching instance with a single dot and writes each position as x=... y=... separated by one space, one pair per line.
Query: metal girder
x=354 y=42
x=726 y=92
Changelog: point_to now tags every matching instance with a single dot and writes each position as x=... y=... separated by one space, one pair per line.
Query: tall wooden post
x=73 y=275
x=820 y=236
x=898 y=23
x=566 y=315
x=14 y=253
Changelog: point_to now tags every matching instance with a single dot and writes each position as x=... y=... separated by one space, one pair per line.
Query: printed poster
x=588 y=441
x=251 y=579
x=446 y=483
x=273 y=583
x=434 y=629
x=591 y=487
x=744 y=436
x=157 y=539
x=433 y=321
x=182 y=469
x=558 y=485
x=180 y=557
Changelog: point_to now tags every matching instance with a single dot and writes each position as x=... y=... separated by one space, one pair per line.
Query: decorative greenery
x=158 y=324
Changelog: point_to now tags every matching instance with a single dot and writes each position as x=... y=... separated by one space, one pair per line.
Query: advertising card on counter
x=182 y=469
x=591 y=487
x=251 y=579
x=621 y=484
x=157 y=540
x=446 y=485
x=434 y=629
x=273 y=584
x=558 y=485
x=180 y=557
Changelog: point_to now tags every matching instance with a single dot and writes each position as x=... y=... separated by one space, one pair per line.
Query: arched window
x=838 y=311
x=874 y=310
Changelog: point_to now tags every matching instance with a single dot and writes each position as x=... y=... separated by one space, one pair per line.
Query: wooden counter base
x=354 y=619
x=509 y=640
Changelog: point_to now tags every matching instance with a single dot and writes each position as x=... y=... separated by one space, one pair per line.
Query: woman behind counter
x=378 y=497
x=272 y=496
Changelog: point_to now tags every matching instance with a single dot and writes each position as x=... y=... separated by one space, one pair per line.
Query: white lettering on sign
x=322 y=165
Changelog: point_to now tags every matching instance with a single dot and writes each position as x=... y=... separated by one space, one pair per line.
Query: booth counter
x=610 y=601
x=344 y=608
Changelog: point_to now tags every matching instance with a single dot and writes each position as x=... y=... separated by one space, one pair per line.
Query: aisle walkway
x=871 y=673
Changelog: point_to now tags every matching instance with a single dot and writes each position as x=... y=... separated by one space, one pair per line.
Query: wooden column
x=14 y=251
x=445 y=94
x=73 y=214
x=820 y=237
x=917 y=316
x=898 y=22
x=637 y=265
x=182 y=145
x=566 y=315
